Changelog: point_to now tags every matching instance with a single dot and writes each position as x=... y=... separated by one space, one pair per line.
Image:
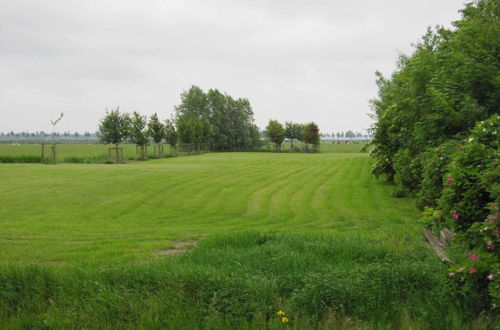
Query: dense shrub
x=435 y=164
x=438 y=93
x=470 y=203
x=408 y=172
x=20 y=159
x=436 y=136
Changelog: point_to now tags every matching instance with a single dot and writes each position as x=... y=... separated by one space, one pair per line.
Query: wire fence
x=69 y=140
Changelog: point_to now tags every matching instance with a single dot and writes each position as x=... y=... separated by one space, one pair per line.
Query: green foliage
x=192 y=130
x=138 y=134
x=275 y=133
x=310 y=135
x=472 y=181
x=470 y=201
x=114 y=127
x=192 y=117
x=293 y=131
x=436 y=130
x=20 y=159
x=448 y=84
x=232 y=122
x=408 y=173
x=138 y=129
x=216 y=118
x=468 y=204
x=156 y=130
x=435 y=164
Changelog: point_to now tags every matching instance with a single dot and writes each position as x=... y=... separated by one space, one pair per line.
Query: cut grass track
x=72 y=213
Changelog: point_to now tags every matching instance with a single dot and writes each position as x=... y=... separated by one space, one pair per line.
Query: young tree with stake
x=114 y=129
x=156 y=131
x=138 y=133
x=171 y=136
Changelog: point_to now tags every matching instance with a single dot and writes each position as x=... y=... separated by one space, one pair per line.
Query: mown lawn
x=69 y=213
x=312 y=234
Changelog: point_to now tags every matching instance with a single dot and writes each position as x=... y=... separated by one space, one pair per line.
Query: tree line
x=437 y=134
x=116 y=128
x=217 y=119
x=212 y=119
x=307 y=133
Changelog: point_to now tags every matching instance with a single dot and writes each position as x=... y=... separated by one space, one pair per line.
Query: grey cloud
x=294 y=60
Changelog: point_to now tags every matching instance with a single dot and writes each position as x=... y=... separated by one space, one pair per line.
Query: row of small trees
x=306 y=133
x=116 y=128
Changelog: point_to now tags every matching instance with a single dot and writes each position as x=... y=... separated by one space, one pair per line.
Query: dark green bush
x=468 y=204
x=436 y=135
x=20 y=159
x=408 y=170
x=435 y=165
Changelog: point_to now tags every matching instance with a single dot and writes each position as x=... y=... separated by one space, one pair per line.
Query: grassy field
x=98 y=153
x=313 y=234
x=73 y=153
x=74 y=212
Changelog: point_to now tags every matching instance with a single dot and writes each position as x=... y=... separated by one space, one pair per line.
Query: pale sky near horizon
x=295 y=60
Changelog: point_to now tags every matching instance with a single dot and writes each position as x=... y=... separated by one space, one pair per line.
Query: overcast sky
x=295 y=60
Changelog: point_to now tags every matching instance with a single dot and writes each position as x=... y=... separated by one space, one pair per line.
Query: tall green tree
x=114 y=129
x=275 y=133
x=192 y=116
x=216 y=118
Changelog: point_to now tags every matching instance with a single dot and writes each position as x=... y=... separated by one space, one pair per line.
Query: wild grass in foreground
x=241 y=281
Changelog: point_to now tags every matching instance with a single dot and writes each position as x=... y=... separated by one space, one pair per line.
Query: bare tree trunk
x=53 y=154
x=117 y=155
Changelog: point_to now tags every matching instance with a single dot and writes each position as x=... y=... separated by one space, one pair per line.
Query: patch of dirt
x=51 y=262
x=180 y=247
